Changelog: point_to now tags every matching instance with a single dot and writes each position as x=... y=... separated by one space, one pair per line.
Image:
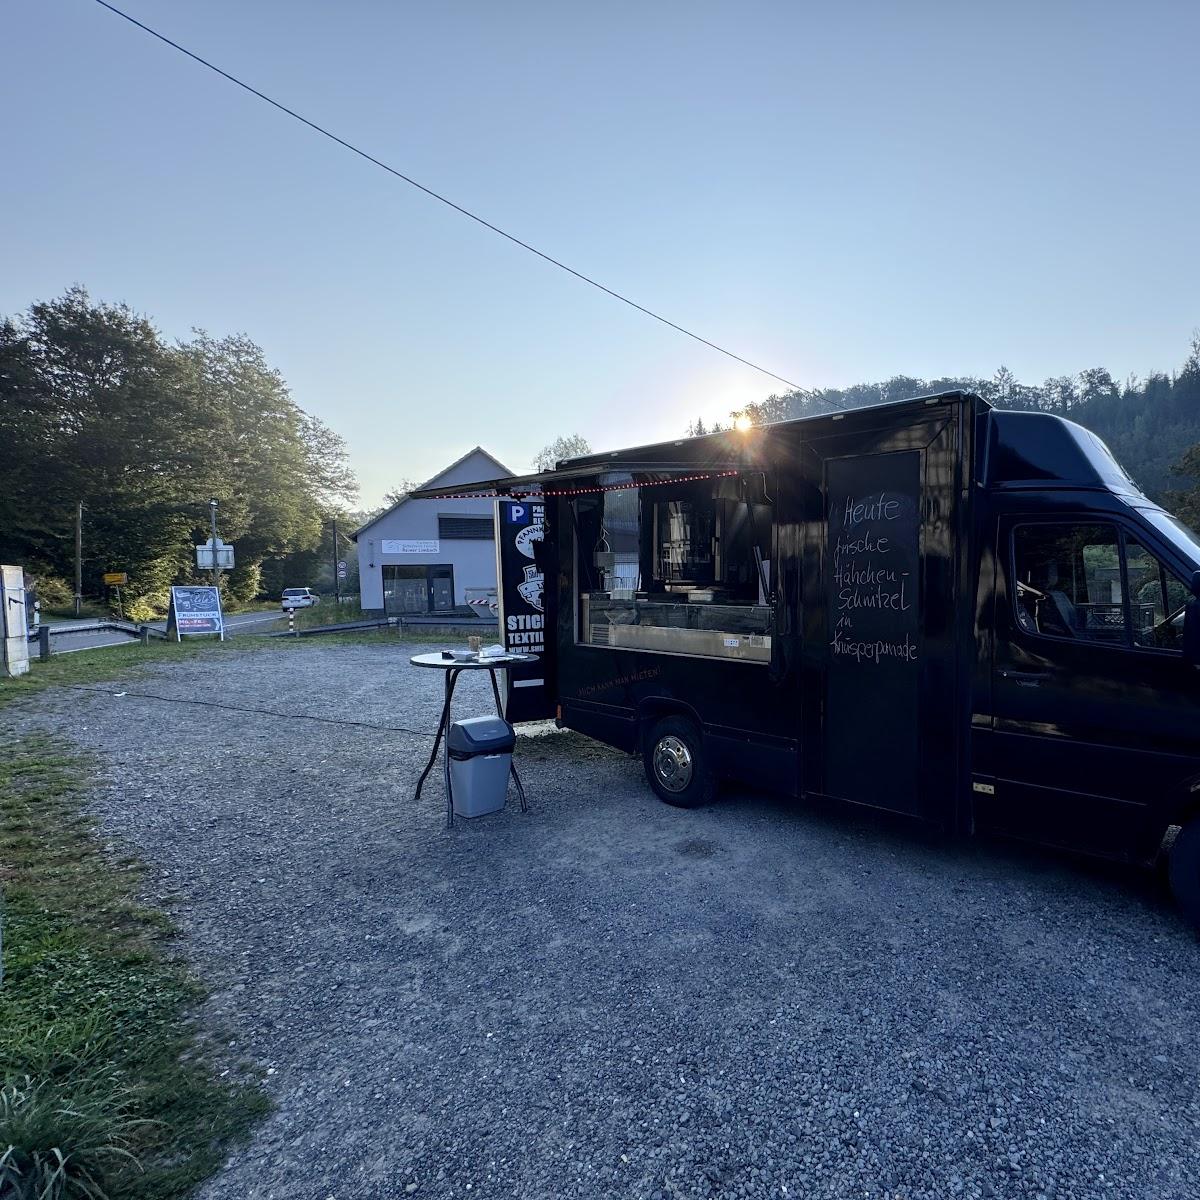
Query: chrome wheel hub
x=672 y=763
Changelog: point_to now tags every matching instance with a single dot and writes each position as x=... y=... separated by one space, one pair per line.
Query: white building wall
x=473 y=561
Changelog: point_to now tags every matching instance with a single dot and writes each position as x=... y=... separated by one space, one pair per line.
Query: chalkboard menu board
x=874 y=623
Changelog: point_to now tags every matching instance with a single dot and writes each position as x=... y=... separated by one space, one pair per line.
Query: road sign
x=204 y=555
x=116 y=578
x=341 y=568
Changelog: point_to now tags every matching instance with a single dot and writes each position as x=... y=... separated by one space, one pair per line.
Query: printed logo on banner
x=531 y=590
x=525 y=539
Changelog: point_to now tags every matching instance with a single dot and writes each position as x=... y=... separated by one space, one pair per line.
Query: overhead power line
x=333 y=137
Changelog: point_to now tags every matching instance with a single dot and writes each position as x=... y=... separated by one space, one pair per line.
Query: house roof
x=458 y=462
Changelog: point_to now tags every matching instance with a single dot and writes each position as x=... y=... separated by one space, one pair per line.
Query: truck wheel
x=676 y=764
x=1185 y=870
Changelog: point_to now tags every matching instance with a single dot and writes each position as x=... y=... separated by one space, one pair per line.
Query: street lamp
x=212 y=510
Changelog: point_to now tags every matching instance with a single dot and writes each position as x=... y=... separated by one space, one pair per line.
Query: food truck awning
x=572 y=478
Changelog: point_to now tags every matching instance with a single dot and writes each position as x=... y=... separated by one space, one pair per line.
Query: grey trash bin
x=480 y=751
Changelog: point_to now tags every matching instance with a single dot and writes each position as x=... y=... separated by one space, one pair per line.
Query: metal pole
x=216 y=571
x=44 y=643
x=337 y=582
x=78 y=558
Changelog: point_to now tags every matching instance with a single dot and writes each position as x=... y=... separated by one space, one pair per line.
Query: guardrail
x=44 y=633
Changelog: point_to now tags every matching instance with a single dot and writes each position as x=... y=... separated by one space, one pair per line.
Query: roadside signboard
x=522 y=607
x=116 y=578
x=204 y=556
x=195 y=610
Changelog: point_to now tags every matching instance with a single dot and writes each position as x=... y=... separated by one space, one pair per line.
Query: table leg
x=512 y=767
x=451 y=680
x=442 y=729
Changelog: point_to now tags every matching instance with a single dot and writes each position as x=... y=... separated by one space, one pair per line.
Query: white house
x=430 y=556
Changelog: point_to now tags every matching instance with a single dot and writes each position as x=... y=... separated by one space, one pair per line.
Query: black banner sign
x=520 y=590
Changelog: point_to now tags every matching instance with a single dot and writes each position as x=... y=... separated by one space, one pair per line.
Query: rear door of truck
x=884 y=567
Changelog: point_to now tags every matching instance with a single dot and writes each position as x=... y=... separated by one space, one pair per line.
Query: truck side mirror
x=1191 y=625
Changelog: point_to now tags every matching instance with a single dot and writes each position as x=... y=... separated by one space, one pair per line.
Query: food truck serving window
x=676 y=567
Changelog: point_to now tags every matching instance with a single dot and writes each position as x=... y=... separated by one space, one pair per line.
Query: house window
x=414 y=591
x=676 y=568
x=454 y=528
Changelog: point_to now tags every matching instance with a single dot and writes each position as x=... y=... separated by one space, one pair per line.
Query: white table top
x=470 y=664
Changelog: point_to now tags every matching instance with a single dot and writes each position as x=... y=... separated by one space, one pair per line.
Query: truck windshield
x=1176 y=532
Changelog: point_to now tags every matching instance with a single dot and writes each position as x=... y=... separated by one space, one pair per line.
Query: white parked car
x=299 y=598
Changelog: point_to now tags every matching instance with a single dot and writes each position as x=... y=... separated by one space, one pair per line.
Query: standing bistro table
x=454 y=667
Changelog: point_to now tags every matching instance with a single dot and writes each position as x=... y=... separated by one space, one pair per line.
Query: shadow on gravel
x=986 y=855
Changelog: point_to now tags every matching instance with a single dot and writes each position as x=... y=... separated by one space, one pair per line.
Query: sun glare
x=742 y=424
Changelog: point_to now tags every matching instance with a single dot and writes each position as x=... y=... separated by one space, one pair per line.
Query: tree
x=98 y=409
x=572 y=446
x=1149 y=425
x=392 y=498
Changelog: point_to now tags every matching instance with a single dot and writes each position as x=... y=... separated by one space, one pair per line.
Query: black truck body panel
x=905 y=670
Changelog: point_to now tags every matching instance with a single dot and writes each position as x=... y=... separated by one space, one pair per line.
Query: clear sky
x=842 y=192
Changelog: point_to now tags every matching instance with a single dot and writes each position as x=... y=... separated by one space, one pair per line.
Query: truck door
x=881 y=706
x=1094 y=710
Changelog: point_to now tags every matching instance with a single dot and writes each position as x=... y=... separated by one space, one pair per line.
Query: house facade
x=430 y=557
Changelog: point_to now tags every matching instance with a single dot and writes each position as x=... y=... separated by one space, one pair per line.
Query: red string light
x=585 y=491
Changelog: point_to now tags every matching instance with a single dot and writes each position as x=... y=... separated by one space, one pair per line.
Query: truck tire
x=677 y=765
x=1185 y=870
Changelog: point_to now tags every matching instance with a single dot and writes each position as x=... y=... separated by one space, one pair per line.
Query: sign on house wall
x=398 y=546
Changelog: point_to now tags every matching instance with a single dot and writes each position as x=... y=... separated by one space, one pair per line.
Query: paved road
x=70 y=635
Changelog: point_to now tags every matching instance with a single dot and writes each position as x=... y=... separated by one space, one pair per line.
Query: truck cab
x=1086 y=700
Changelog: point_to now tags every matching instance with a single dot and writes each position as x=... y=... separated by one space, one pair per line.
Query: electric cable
x=466 y=212
x=243 y=708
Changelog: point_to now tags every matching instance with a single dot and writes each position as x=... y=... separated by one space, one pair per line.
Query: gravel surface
x=606 y=997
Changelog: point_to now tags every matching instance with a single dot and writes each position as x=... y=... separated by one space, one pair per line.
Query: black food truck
x=966 y=615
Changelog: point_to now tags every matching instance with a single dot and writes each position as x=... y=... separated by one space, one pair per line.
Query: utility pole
x=337 y=581
x=79 y=558
x=216 y=570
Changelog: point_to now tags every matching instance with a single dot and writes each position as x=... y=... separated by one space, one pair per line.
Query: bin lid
x=480 y=735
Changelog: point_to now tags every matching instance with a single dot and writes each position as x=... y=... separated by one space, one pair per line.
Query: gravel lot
x=607 y=997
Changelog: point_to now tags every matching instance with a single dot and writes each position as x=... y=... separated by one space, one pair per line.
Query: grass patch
x=329 y=612
x=104 y=1082
x=88 y=610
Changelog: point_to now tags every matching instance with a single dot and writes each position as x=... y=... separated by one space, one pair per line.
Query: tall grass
x=104 y=1090
x=63 y=1142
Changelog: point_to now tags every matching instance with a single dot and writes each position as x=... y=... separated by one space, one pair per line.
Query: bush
x=52 y=590
x=149 y=607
